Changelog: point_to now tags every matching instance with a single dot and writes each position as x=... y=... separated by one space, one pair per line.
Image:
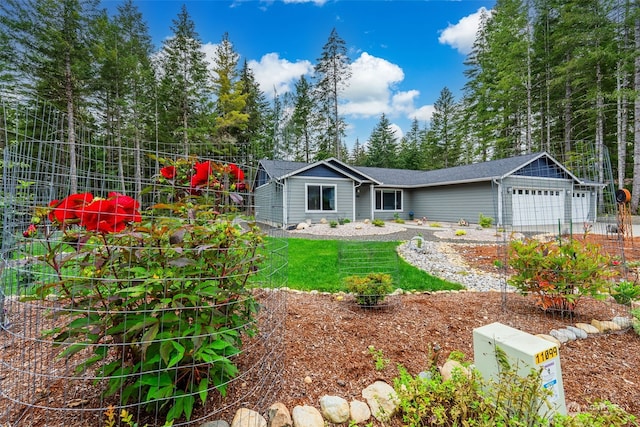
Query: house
x=532 y=189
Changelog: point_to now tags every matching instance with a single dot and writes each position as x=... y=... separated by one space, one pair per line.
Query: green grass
x=314 y=265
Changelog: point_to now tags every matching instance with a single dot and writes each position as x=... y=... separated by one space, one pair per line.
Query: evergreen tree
x=443 y=123
x=382 y=148
x=333 y=72
x=358 y=154
x=410 y=153
x=253 y=143
x=302 y=120
x=182 y=91
x=53 y=40
x=230 y=115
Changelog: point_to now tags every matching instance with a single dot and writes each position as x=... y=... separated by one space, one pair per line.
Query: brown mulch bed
x=327 y=339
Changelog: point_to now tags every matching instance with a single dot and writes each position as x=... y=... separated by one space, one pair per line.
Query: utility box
x=524 y=351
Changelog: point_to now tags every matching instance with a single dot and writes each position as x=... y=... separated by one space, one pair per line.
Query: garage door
x=580 y=203
x=537 y=206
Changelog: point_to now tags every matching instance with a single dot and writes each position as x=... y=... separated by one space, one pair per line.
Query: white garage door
x=537 y=206
x=580 y=203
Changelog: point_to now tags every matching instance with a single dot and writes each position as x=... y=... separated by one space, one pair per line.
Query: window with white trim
x=388 y=200
x=321 y=198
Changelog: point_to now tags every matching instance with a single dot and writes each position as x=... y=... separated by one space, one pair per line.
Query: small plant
x=636 y=320
x=558 y=274
x=460 y=232
x=435 y=225
x=498 y=264
x=397 y=219
x=378 y=223
x=370 y=290
x=625 y=292
x=343 y=221
x=126 y=419
x=333 y=224
x=485 y=221
x=378 y=357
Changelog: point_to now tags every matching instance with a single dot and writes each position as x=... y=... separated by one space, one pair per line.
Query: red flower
x=30 y=231
x=201 y=177
x=236 y=172
x=69 y=208
x=111 y=215
x=168 y=172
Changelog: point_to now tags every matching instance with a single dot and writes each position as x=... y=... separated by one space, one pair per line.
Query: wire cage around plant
x=561 y=230
x=369 y=269
x=139 y=282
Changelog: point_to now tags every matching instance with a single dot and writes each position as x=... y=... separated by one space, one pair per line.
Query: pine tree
x=410 y=153
x=252 y=141
x=443 y=123
x=382 y=148
x=182 y=90
x=333 y=72
x=54 y=39
x=302 y=120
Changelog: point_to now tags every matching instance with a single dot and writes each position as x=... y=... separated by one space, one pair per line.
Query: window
x=388 y=200
x=321 y=197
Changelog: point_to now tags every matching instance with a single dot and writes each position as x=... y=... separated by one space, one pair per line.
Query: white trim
x=322 y=186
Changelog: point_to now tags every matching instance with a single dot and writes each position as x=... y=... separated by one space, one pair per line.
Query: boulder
x=450 y=366
x=245 y=417
x=278 y=416
x=334 y=409
x=307 y=416
x=382 y=399
x=359 y=411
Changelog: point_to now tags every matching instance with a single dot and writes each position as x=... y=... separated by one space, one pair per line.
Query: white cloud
x=397 y=131
x=462 y=35
x=369 y=90
x=209 y=50
x=423 y=114
x=316 y=2
x=402 y=102
x=277 y=75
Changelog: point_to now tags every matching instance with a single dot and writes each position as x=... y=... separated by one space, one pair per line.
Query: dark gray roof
x=484 y=171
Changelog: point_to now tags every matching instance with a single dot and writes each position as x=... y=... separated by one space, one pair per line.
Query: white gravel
x=441 y=260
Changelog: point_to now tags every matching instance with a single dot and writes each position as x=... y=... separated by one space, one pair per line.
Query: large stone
x=278 y=416
x=589 y=329
x=623 y=322
x=449 y=367
x=302 y=226
x=216 y=423
x=382 y=399
x=549 y=338
x=359 y=411
x=605 y=325
x=334 y=409
x=579 y=333
x=245 y=417
x=307 y=416
x=560 y=335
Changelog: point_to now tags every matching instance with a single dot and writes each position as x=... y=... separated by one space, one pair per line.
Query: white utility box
x=524 y=351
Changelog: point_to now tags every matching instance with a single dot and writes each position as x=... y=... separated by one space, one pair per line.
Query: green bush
x=371 y=289
x=485 y=221
x=559 y=273
x=460 y=232
x=378 y=223
x=333 y=224
x=625 y=292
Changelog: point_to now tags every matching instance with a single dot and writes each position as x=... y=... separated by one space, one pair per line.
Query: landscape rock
x=579 y=333
x=605 y=325
x=359 y=411
x=334 y=409
x=216 y=423
x=302 y=226
x=550 y=338
x=245 y=417
x=382 y=400
x=307 y=416
x=560 y=335
x=278 y=416
x=623 y=322
x=450 y=366
x=589 y=329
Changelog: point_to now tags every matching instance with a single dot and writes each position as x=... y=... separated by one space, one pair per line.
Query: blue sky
x=403 y=53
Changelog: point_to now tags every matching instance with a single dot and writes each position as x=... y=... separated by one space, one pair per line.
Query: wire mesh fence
x=140 y=282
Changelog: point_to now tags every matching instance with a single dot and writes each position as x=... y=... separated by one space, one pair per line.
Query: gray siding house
x=532 y=189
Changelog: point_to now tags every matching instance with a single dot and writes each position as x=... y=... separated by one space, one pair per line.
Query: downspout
x=372 y=201
x=500 y=202
x=285 y=211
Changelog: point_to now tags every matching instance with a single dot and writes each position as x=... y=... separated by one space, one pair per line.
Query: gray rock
x=216 y=423
x=570 y=334
x=359 y=411
x=334 y=409
x=382 y=399
x=623 y=322
x=307 y=416
x=578 y=332
x=245 y=417
x=560 y=335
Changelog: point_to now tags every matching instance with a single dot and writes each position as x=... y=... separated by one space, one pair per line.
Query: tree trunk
x=622 y=112
x=71 y=129
x=636 y=126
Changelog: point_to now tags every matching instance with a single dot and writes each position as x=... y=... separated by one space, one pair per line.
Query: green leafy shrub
x=636 y=320
x=136 y=304
x=435 y=225
x=371 y=289
x=600 y=414
x=558 y=274
x=378 y=223
x=460 y=232
x=378 y=357
x=333 y=224
x=625 y=292
x=485 y=221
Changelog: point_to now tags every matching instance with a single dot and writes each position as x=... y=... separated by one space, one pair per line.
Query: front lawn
x=319 y=265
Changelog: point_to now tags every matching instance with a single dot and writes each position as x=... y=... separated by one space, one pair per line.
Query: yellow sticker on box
x=547 y=354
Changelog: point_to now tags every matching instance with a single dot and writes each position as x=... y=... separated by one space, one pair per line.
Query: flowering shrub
x=156 y=302
x=558 y=274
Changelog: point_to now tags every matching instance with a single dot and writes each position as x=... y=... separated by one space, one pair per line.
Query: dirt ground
x=327 y=339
